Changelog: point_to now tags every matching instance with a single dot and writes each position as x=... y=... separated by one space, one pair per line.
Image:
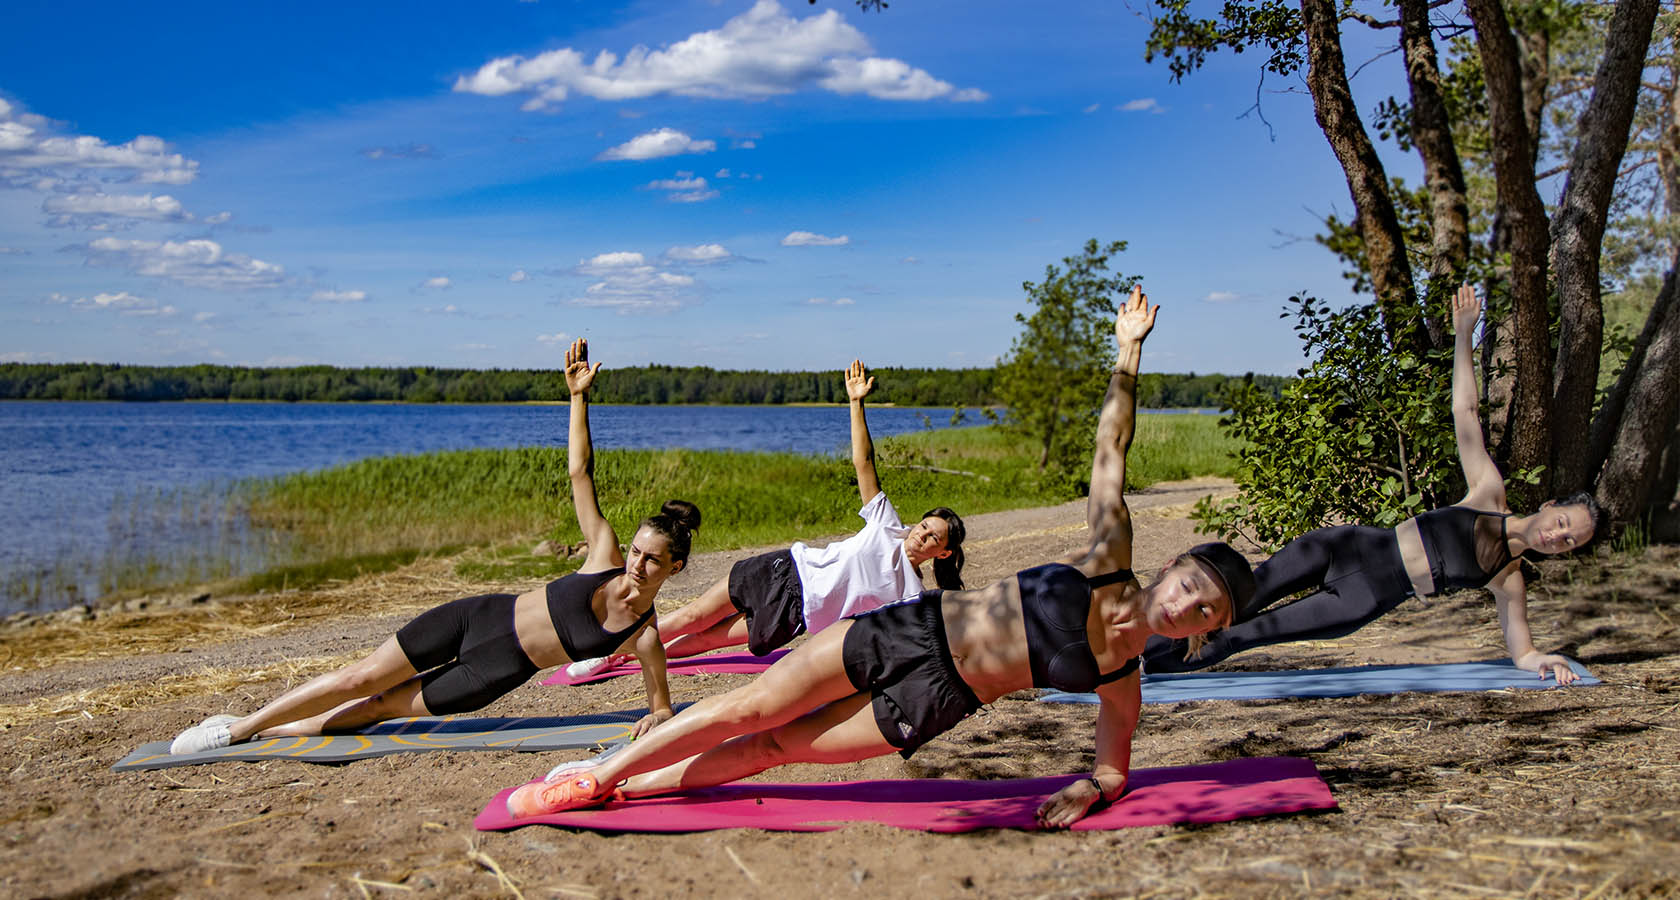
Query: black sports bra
x=1461 y=546
x=571 y=609
x=1055 y=602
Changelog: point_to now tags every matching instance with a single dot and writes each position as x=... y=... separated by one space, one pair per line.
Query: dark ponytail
x=677 y=520
x=947 y=572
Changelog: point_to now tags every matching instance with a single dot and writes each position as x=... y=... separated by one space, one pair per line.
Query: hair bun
x=683 y=513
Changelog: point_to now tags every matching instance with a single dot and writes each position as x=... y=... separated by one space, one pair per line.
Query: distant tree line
x=635 y=385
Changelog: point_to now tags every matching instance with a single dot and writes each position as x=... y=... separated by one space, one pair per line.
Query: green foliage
x=1053 y=379
x=1364 y=435
x=1187 y=41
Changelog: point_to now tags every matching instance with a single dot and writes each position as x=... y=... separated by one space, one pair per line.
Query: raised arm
x=1117 y=719
x=1481 y=477
x=1510 y=595
x=1105 y=509
x=858 y=386
x=580 y=463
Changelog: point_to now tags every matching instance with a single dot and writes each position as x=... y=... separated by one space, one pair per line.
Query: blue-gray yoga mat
x=1491 y=675
x=416 y=735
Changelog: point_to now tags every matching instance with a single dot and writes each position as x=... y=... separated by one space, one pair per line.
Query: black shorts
x=467 y=653
x=899 y=655
x=766 y=589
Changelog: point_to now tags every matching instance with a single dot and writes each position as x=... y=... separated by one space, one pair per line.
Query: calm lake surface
x=81 y=482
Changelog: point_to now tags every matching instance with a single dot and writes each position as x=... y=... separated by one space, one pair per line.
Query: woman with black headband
x=462 y=655
x=894 y=678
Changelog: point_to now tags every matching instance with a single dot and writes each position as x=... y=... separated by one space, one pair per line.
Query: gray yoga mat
x=1349 y=681
x=416 y=735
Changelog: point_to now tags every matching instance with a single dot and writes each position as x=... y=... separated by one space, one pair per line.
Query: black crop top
x=1462 y=547
x=572 y=610
x=1055 y=602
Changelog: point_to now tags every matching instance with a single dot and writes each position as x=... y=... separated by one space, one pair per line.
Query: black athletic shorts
x=899 y=655
x=467 y=653
x=767 y=590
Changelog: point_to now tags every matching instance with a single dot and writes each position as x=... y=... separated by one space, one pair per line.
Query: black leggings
x=467 y=652
x=1358 y=574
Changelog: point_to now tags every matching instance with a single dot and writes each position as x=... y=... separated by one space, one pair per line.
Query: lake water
x=79 y=481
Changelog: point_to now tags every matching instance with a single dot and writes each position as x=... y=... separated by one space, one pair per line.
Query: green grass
x=504 y=501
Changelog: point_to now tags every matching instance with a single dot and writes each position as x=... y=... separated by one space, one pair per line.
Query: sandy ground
x=1511 y=794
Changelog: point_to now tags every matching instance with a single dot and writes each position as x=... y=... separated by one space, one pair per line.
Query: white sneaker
x=206 y=735
x=581 y=765
x=219 y=720
x=584 y=668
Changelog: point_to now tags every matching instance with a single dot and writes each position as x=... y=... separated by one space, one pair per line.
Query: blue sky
x=774 y=185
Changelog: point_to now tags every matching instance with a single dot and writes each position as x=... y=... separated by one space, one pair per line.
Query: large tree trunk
x=1442 y=172
x=1379 y=225
x=1528 y=428
x=1578 y=236
x=1648 y=421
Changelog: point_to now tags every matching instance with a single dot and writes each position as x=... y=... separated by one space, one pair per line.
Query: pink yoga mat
x=1218 y=792
x=734 y=663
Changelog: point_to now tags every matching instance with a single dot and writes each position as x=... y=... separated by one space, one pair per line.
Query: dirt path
x=1544 y=794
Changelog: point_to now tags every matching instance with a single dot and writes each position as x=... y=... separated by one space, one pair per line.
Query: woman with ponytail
x=463 y=655
x=768 y=600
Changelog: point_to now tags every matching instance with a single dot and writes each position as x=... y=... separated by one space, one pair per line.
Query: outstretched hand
x=1465 y=309
x=1135 y=318
x=858 y=384
x=579 y=374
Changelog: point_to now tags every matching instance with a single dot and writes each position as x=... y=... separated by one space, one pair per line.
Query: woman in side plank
x=462 y=655
x=894 y=678
x=1358 y=573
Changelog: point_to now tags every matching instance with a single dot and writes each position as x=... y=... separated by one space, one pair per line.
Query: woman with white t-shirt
x=771 y=599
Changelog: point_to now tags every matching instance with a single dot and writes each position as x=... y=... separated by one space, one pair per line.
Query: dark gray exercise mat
x=1349 y=681
x=416 y=735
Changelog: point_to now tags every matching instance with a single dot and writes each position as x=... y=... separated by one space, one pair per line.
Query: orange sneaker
x=543 y=797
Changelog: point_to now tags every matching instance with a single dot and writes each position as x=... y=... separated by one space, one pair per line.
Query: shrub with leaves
x=1364 y=435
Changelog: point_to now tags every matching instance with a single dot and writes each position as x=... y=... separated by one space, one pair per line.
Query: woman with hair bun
x=463 y=655
x=768 y=600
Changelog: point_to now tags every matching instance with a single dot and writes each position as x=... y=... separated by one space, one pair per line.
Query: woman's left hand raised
x=1135 y=318
x=1068 y=805
x=579 y=374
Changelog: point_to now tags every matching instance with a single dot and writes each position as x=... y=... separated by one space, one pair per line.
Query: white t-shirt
x=863 y=572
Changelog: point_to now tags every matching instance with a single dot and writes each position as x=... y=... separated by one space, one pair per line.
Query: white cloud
x=448 y=309
x=13 y=251
x=405 y=151
x=677 y=184
x=199 y=263
x=722 y=173
x=911 y=261
x=746 y=144
x=764 y=52
x=338 y=296
x=1144 y=104
x=602 y=263
x=1221 y=297
x=693 y=196
x=437 y=283
x=24 y=356
x=97 y=211
x=33 y=154
x=1092 y=108
x=559 y=337
x=203 y=316
x=655 y=144
x=700 y=253
x=519 y=275
x=824 y=301
x=628 y=283
x=812 y=239
x=844 y=301
x=121 y=302
x=218 y=219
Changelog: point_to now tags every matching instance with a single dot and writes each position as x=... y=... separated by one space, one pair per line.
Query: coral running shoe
x=539 y=798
